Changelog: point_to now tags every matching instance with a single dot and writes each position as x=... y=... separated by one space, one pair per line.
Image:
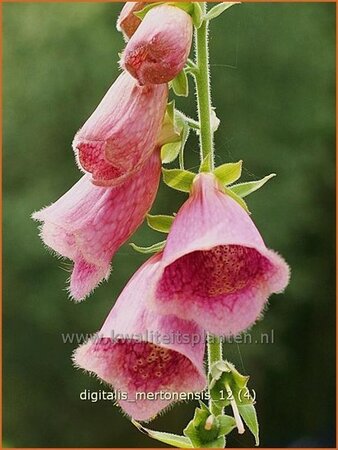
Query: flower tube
x=216 y=268
x=147 y=356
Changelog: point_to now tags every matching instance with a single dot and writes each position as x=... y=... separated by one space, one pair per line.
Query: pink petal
x=159 y=48
x=216 y=269
x=88 y=224
x=122 y=132
x=136 y=350
x=127 y=21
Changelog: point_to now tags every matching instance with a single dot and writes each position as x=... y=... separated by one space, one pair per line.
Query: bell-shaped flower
x=88 y=224
x=122 y=132
x=159 y=48
x=148 y=358
x=216 y=268
x=127 y=22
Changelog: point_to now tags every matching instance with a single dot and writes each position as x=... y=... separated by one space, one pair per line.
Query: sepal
x=207 y=431
x=142 y=13
x=229 y=387
x=160 y=223
x=167 y=438
x=151 y=249
x=174 y=133
x=170 y=151
x=192 y=8
x=244 y=189
x=237 y=198
x=197 y=14
x=180 y=84
x=178 y=179
x=229 y=173
x=249 y=415
x=219 y=9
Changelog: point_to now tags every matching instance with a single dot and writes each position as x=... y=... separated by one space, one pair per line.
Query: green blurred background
x=273 y=82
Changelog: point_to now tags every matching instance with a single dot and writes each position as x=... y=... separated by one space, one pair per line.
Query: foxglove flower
x=89 y=223
x=127 y=22
x=140 y=352
x=122 y=132
x=216 y=269
x=159 y=48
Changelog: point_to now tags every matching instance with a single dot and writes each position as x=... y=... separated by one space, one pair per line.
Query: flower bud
x=158 y=50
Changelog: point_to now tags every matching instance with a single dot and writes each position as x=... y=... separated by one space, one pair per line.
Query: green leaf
x=152 y=249
x=197 y=15
x=219 y=9
x=178 y=179
x=226 y=424
x=167 y=438
x=180 y=84
x=244 y=189
x=248 y=413
x=160 y=223
x=170 y=151
x=238 y=199
x=142 y=13
x=229 y=173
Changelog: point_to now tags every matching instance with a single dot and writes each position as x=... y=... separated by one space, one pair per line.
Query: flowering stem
x=181 y=158
x=202 y=81
x=214 y=355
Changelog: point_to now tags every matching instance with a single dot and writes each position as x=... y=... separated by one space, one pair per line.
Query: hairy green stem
x=214 y=354
x=202 y=81
x=181 y=158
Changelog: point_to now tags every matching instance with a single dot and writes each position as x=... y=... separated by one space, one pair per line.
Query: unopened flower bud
x=158 y=50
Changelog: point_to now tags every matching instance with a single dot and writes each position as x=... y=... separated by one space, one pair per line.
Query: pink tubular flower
x=88 y=224
x=159 y=48
x=122 y=132
x=216 y=269
x=127 y=21
x=139 y=351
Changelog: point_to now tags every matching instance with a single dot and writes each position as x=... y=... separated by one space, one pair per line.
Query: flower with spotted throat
x=216 y=269
x=140 y=351
x=89 y=223
x=159 y=48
